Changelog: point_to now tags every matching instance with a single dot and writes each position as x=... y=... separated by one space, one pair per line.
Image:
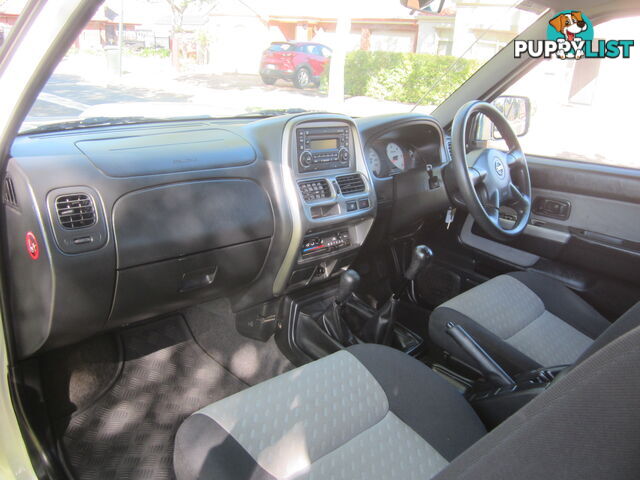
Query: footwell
x=128 y=431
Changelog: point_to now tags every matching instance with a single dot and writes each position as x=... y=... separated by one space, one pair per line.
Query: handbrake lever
x=488 y=366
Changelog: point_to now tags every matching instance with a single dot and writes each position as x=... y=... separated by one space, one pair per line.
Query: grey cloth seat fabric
x=584 y=426
x=524 y=320
x=362 y=413
x=374 y=413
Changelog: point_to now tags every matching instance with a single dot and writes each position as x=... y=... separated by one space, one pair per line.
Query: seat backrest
x=585 y=425
x=628 y=321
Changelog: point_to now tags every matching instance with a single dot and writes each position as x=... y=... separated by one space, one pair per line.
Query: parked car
x=302 y=63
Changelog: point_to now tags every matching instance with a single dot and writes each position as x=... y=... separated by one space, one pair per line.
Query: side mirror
x=517 y=110
x=423 y=5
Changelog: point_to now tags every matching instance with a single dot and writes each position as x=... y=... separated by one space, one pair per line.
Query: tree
x=179 y=8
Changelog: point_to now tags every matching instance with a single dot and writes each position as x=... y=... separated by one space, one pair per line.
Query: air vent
x=75 y=211
x=315 y=190
x=9 y=195
x=350 y=184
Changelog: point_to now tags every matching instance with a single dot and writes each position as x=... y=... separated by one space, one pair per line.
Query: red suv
x=300 y=62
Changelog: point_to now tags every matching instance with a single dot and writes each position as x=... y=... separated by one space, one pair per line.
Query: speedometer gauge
x=394 y=152
x=374 y=161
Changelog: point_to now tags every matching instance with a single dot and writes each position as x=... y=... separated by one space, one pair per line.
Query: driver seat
x=524 y=320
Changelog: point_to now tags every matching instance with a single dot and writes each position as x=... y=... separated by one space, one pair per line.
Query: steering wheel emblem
x=499 y=168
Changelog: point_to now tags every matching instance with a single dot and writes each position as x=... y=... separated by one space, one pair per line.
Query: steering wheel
x=489 y=178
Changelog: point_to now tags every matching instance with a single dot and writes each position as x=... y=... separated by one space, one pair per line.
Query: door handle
x=552 y=207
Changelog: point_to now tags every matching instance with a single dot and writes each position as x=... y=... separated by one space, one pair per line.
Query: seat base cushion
x=359 y=413
x=524 y=320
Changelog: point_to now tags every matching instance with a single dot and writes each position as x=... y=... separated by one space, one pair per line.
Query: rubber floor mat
x=128 y=432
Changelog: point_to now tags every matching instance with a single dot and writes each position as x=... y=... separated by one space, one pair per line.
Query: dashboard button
x=363 y=203
x=343 y=155
x=306 y=158
x=351 y=206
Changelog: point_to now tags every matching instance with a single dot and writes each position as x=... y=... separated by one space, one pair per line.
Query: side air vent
x=9 y=194
x=315 y=189
x=449 y=149
x=350 y=184
x=75 y=211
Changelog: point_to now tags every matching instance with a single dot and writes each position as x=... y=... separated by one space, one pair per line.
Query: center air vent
x=75 y=211
x=315 y=189
x=350 y=184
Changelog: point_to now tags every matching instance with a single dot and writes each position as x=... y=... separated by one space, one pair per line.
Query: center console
x=495 y=404
x=330 y=196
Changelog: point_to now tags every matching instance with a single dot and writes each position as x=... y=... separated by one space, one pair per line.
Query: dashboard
x=114 y=225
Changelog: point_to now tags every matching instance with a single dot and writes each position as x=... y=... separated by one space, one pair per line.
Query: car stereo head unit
x=323 y=148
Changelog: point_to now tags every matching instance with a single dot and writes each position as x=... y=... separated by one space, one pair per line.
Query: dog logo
x=570 y=36
x=569 y=25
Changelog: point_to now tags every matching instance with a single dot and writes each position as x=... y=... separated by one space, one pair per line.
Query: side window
x=586 y=110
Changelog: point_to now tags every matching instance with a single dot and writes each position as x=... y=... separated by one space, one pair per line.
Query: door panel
x=595 y=250
x=593 y=214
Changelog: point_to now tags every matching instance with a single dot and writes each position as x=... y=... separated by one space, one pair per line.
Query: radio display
x=324 y=144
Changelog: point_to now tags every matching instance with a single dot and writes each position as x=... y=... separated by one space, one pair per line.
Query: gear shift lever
x=420 y=259
x=379 y=327
x=422 y=256
x=331 y=319
x=349 y=281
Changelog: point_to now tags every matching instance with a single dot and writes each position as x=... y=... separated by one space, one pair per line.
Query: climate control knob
x=306 y=158
x=343 y=155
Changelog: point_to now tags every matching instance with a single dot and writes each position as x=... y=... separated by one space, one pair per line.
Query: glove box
x=149 y=290
x=183 y=243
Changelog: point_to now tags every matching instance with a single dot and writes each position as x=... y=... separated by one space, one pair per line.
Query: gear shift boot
x=332 y=320
x=334 y=324
x=378 y=328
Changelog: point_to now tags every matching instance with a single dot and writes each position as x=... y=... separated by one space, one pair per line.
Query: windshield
x=165 y=59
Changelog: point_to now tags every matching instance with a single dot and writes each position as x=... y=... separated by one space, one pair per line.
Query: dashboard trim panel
x=300 y=211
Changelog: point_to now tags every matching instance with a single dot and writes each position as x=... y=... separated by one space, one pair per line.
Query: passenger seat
x=371 y=412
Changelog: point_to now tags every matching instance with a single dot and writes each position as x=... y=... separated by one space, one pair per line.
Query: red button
x=32 y=246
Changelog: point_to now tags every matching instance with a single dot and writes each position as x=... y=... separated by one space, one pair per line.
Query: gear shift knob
x=422 y=256
x=348 y=283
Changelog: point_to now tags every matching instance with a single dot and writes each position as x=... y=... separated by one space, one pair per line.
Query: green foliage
x=152 y=52
x=404 y=77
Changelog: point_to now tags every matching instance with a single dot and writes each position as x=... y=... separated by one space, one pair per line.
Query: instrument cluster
x=390 y=158
x=404 y=149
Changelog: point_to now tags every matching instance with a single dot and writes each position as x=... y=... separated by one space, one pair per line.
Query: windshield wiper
x=274 y=112
x=90 y=122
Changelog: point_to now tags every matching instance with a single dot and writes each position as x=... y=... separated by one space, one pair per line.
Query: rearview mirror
x=517 y=110
x=423 y=5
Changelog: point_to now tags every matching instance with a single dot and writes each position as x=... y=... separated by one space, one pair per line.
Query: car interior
x=313 y=295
